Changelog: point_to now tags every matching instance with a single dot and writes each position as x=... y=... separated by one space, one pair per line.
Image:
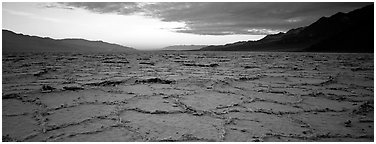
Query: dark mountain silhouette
x=13 y=42
x=183 y=47
x=342 y=32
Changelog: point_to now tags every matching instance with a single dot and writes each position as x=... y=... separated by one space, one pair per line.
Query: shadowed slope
x=13 y=42
x=342 y=32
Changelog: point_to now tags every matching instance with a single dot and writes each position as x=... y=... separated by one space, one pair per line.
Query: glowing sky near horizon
x=156 y=29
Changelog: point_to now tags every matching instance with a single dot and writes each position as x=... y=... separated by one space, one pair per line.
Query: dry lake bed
x=188 y=96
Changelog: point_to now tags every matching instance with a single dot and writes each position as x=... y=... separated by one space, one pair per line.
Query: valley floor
x=188 y=96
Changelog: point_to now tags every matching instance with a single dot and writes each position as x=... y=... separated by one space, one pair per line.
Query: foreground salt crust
x=188 y=96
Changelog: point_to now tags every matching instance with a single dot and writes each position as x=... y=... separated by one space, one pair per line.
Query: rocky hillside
x=342 y=32
x=13 y=42
x=184 y=47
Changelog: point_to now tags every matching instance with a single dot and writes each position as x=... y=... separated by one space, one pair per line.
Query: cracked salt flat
x=188 y=96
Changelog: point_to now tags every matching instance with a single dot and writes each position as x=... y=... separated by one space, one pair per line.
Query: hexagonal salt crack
x=175 y=127
x=14 y=107
x=272 y=107
x=210 y=100
x=19 y=127
x=112 y=135
x=153 y=104
x=78 y=114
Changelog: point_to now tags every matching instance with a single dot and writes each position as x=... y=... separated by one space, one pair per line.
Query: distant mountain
x=13 y=42
x=184 y=47
x=342 y=32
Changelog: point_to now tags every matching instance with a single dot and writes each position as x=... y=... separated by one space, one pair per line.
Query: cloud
x=263 y=31
x=31 y=15
x=224 y=18
x=123 y=8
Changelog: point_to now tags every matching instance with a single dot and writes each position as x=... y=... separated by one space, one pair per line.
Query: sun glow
x=135 y=30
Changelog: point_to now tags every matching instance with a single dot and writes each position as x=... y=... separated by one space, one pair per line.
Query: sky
x=155 y=25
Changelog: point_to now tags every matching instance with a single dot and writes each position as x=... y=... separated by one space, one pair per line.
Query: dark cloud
x=225 y=18
x=124 y=8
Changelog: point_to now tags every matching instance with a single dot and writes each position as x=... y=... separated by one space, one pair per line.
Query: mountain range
x=13 y=42
x=342 y=32
x=183 y=47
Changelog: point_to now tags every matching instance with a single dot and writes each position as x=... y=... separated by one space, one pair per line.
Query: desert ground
x=188 y=96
